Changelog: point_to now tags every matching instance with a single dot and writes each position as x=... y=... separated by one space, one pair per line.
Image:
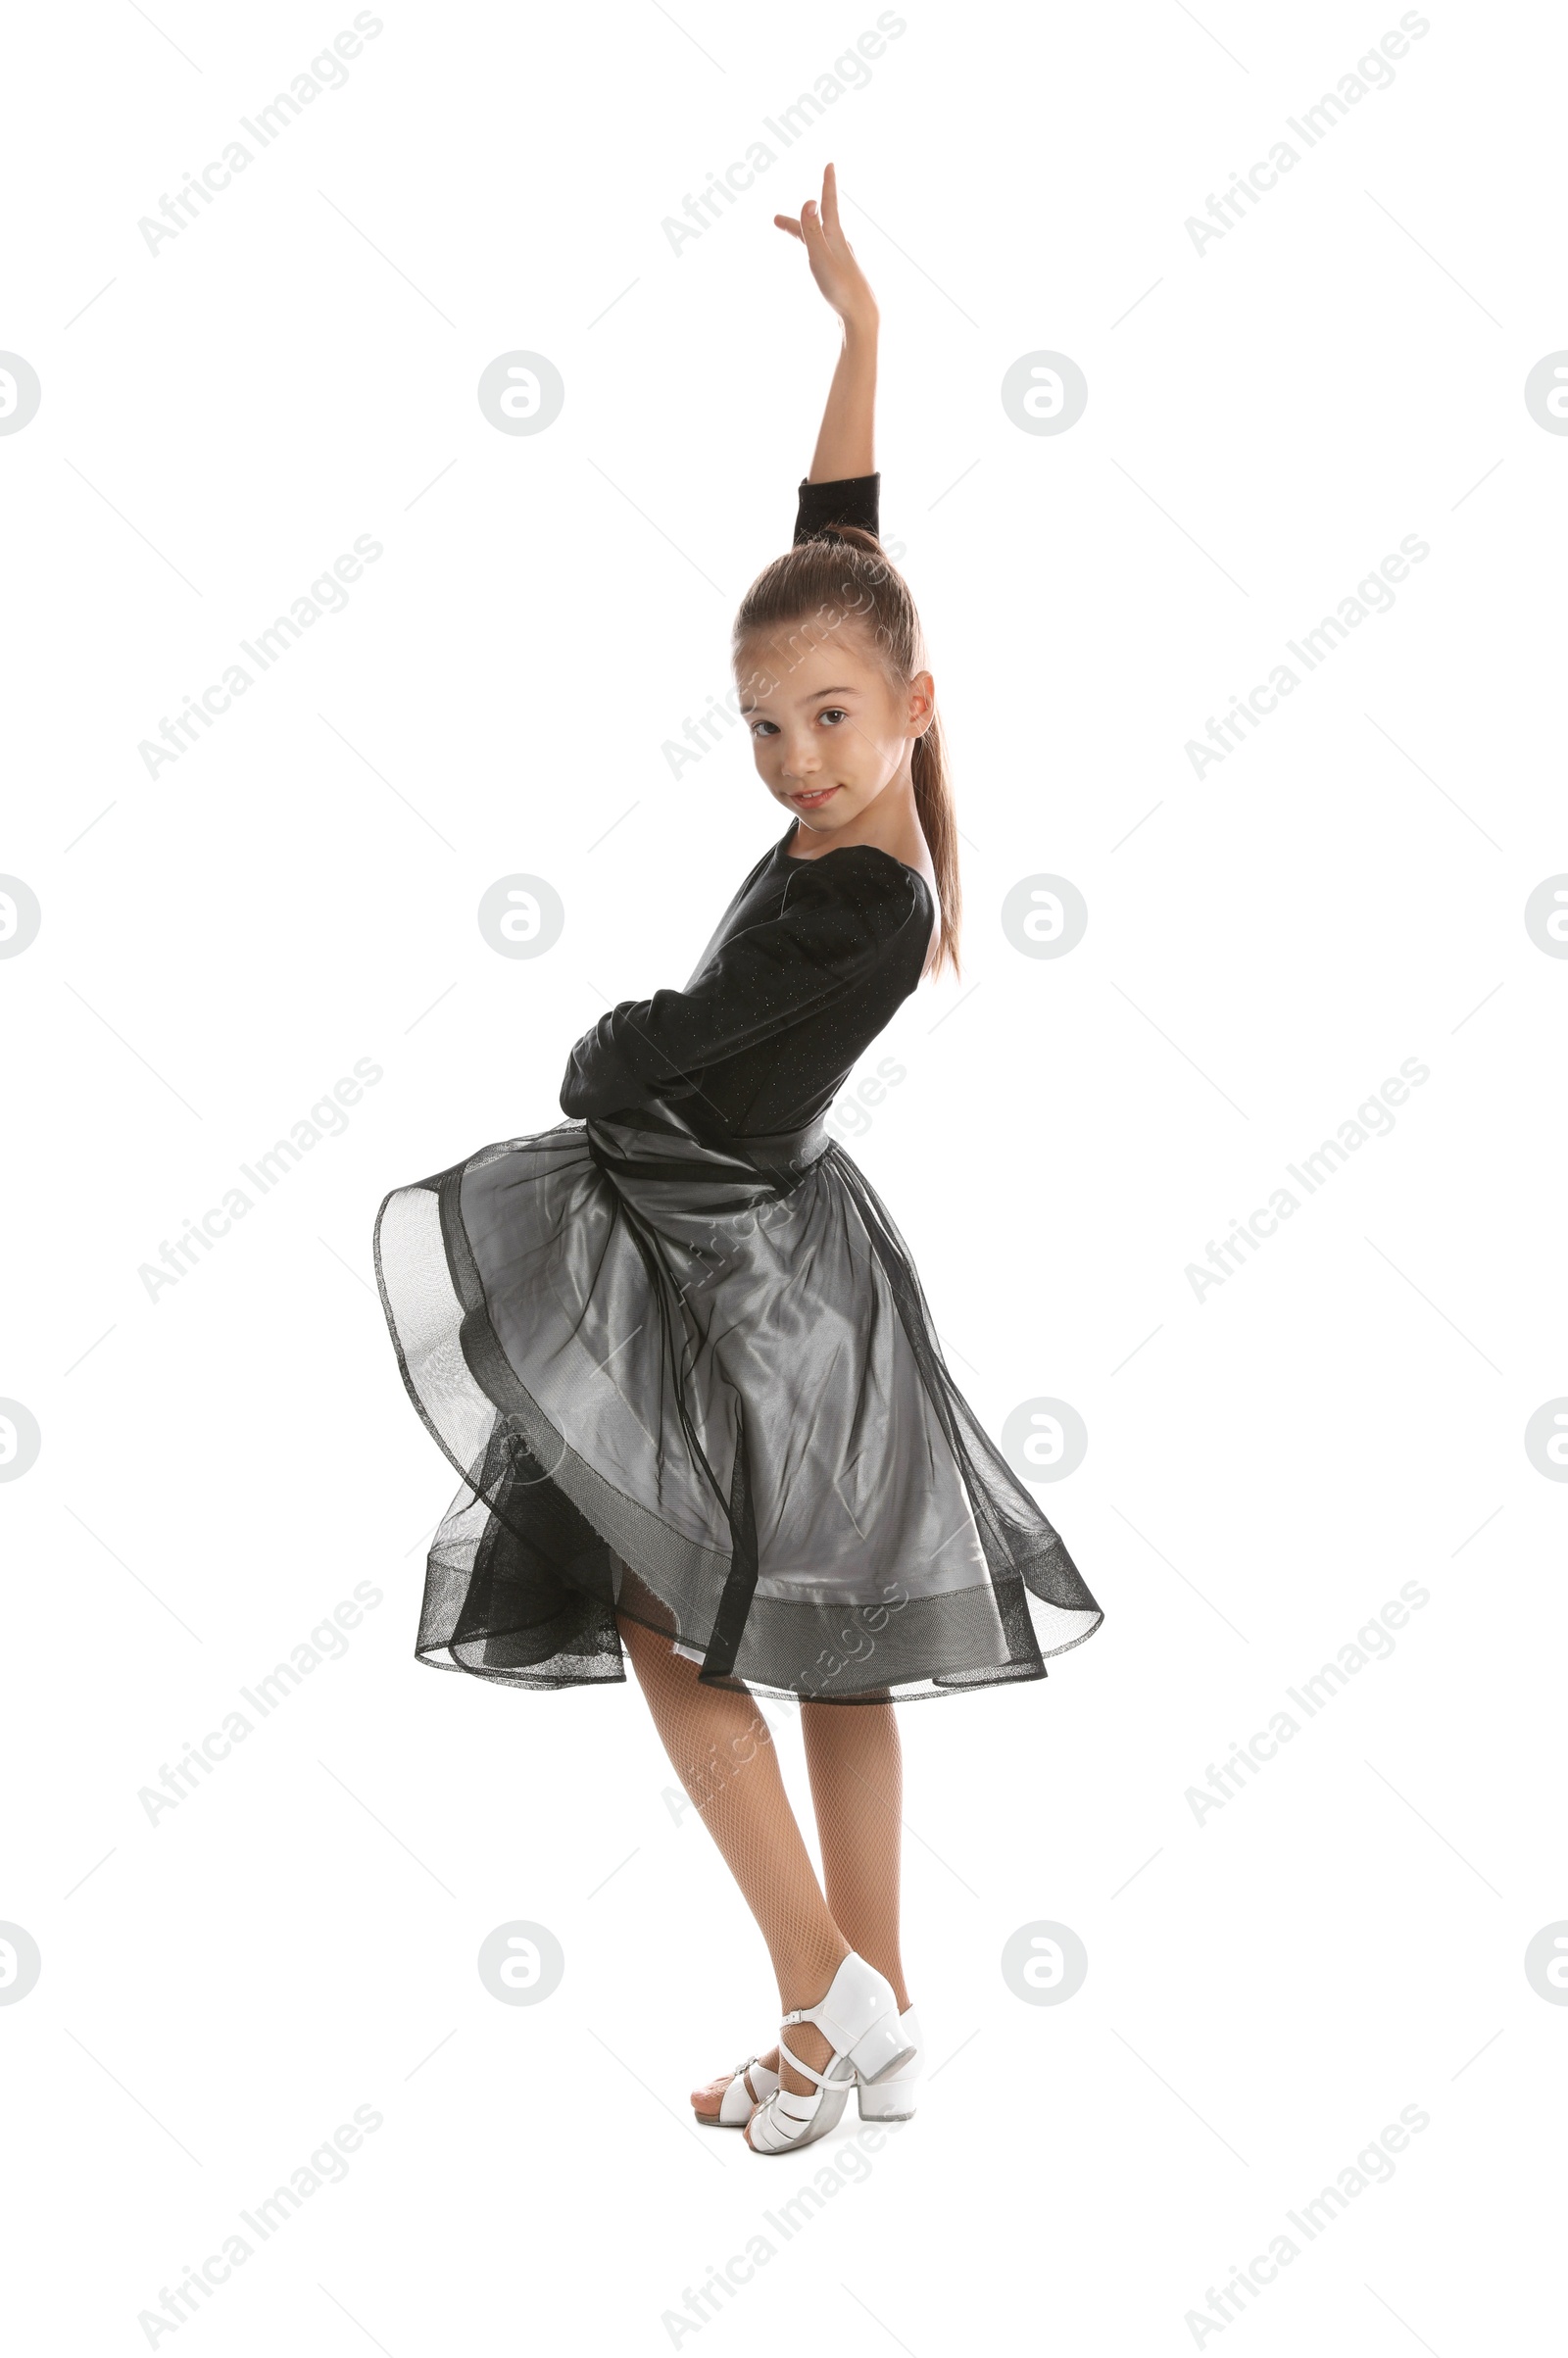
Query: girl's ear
x=922 y=703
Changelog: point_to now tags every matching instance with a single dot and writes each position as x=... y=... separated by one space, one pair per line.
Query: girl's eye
x=762 y=727
x=833 y=713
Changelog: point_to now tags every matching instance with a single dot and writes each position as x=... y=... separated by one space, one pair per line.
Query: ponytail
x=933 y=802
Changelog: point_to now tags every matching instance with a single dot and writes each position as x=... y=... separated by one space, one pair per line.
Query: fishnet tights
x=720 y=1748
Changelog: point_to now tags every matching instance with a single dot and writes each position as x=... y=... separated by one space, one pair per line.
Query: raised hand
x=831 y=256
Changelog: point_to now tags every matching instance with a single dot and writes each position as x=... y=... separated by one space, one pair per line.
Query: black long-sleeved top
x=808 y=963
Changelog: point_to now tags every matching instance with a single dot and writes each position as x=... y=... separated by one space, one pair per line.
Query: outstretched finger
x=782 y=221
x=830 y=199
x=811 y=224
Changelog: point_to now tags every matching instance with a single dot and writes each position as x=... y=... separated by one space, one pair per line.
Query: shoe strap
x=742 y=2073
x=779 y=2123
x=787 y=2054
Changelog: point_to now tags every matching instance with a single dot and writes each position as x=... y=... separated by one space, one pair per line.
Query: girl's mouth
x=813 y=800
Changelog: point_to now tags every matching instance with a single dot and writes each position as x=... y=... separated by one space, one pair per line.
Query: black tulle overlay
x=694 y=1381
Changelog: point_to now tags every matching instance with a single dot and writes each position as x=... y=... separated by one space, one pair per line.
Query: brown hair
x=844 y=577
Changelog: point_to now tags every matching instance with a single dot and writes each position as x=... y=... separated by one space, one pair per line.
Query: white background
x=220 y=1466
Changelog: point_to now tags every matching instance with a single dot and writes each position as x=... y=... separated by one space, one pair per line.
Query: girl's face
x=829 y=729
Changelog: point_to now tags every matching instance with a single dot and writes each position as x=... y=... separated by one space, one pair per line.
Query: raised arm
x=846 y=445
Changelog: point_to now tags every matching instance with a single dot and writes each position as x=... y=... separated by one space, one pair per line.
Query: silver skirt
x=698 y=1386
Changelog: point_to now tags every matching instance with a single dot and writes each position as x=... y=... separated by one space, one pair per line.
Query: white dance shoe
x=751 y=2082
x=859 y=2019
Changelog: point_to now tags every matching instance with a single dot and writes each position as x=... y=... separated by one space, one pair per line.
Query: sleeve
x=852 y=500
x=816 y=952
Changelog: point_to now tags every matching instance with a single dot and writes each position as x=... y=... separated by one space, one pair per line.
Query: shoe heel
x=890 y=2103
x=882 y=2049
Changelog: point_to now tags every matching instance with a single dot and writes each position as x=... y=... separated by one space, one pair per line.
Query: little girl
x=679 y=1353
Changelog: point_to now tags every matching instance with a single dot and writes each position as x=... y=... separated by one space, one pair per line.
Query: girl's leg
x=856 y=1769
x=720 y=1748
